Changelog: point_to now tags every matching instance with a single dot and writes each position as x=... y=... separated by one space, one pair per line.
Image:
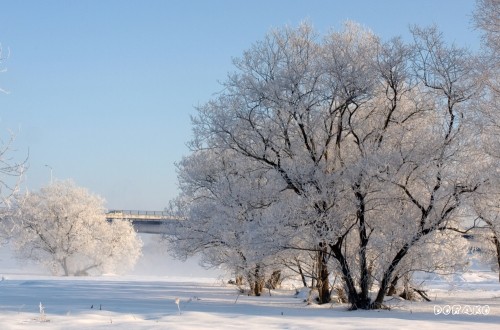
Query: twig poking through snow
x=42 y=317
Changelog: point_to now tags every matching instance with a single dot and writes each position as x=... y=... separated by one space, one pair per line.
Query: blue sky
x=102 y=91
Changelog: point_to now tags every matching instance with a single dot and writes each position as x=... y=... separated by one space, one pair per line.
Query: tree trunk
x=239 y=280
x=407 y=293
x=352 y=293
x=274 y=282
x=356 y=299
x=302 y=274
x=392 y=288
x=256 y=281
x=497 y=245
x=64 y=265
x=384 y=284
x=323 y=284
x=364 y=296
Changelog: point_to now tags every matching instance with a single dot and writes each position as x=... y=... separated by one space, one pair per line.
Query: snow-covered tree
x=225 y=215
x=487 y=18
x=365 y=146
x=11 y=170
x=487 y=206
x=11 y=173
x=64 y=227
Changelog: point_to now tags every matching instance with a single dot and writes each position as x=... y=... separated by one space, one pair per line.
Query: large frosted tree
x=64 y=227
x=367 y=146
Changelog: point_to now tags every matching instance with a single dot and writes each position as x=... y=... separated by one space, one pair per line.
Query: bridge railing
x=140 y=215
x=138 y=212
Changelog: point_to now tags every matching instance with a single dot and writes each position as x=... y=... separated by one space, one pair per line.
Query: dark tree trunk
x=497 y=245
x=258 y=287
x=387 y=278
x=256 y=281
x=353 y=296
x=322 y=282
x=358 y=300
x=364 y=295
x=388 y=274
x=302 y=274
x=64 y=265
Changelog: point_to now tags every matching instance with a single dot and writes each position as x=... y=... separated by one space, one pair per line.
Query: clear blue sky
x=102 y=91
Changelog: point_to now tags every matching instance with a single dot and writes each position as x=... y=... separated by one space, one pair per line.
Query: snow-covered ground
x=146 y=299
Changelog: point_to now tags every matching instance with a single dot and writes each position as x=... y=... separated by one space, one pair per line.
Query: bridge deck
x=151 y=222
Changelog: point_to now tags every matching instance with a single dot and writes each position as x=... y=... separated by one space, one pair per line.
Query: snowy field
x=146 y=299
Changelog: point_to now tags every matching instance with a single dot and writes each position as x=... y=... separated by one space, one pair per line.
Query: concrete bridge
x=151 y=222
